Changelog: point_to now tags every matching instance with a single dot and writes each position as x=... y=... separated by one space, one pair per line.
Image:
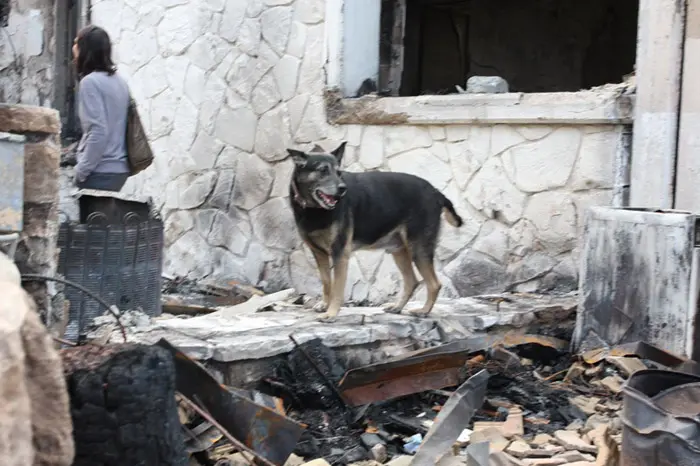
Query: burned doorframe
x=71 y=15
x=4 y=13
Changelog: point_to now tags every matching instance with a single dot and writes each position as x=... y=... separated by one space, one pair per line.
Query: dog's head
x=317 y=178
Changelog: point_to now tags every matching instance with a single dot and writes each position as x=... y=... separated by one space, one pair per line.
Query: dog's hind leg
x=323 y=262
x=404 y=263
x=426 y=267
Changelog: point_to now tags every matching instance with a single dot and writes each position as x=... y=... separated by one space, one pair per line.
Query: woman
x=103 y=101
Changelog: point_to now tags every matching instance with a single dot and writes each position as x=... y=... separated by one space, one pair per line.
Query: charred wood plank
x=123 y=406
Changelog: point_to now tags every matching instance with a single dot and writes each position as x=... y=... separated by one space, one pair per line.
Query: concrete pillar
x=659 y=57
x=37 y=251
x=687 y=195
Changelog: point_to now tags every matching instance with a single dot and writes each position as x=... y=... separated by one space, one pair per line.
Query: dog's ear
x=339 y=151
x=298 y=157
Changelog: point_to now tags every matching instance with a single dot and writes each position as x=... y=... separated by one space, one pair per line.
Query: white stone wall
x=226 y=85
x=27 y=53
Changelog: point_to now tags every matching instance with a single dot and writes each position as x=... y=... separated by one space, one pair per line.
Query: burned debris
x=541 y=406
x=123 y=405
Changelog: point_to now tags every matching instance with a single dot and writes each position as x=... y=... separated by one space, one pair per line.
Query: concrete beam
x=687 y=195
x=593 y=107
x=658 y=72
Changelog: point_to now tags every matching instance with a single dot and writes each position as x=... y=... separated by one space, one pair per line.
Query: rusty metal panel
x=426 y=369
x=268 y=433
x=661 y=419
x=11 y=182
x=638 y=281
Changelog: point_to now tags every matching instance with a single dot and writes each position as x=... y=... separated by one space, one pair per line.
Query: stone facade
x=225 y=86
x=27 y=53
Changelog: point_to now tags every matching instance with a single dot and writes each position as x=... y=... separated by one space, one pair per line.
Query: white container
x=639 y=280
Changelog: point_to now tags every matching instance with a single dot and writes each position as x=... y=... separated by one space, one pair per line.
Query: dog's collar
x=297 y=197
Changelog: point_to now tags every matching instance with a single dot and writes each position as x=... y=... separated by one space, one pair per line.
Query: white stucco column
x=687 y=194
x=361 y=31
x=658 y=70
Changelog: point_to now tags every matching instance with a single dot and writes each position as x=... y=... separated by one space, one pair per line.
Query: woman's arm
x=94 y=120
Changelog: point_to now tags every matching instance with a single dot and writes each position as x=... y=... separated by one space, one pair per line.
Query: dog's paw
x=391 y=308
x=326 y=318
x=419 y=312
x=319 y=307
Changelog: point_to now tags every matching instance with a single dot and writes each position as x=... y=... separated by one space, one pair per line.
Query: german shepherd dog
x=339 y=212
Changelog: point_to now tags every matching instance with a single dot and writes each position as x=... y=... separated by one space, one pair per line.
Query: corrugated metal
x=11 y=182
x=117 y=253
x=661 y=419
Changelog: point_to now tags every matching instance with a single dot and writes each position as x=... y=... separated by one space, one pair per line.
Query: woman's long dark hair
x=94 y=52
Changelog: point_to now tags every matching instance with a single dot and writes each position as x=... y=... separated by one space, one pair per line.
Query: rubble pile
x=182 y=296
x=542 y=406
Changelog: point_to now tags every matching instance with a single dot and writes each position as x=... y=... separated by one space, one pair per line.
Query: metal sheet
x=427 y=369
x=638 y=279
x=644 y=351
x=262 y=429
x=661 y=419
x=11 y=183
x=453 y=417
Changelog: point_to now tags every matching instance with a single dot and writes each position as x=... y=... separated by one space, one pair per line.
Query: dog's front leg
x=340 y=276
x=323 y=262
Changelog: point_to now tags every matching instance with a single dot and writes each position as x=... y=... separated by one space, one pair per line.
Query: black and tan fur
x=339 y=212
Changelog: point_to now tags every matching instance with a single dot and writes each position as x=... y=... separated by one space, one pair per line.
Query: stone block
x=473 y=273
x=273 y=223
x=546 y=163
x=553 y=215
x=23 y=118
x=273 y=135
x=265 y=95
x=276 y=26
x=237 y=127
x=492 y=192
x=487 y=85
x=254 y=179
x=399 y=139
x=313 y=125
x=595 y=167
x=286 y=73
x=422 y=163
x=197 y=191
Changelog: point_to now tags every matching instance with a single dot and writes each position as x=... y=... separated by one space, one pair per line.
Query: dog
x=338 y=213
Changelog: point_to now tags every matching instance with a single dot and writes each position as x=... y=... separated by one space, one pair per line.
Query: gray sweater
x=103 y=101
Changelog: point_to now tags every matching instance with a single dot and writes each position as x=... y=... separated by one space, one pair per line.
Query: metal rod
x=329 y=383
x=64 y=342
x=110 y=308
x=202 y=412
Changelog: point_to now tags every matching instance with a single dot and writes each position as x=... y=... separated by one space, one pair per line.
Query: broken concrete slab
x=574 y=456
x=318 y=462
x=613 y=383
x=543 y=462
x=240 y=332
x=404 y=460
x=587 y=404
x=572 y=441
x=492 y=435
x=626 y=365
x=542 y=439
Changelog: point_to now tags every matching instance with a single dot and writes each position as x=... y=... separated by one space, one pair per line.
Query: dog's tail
x=450 y=214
